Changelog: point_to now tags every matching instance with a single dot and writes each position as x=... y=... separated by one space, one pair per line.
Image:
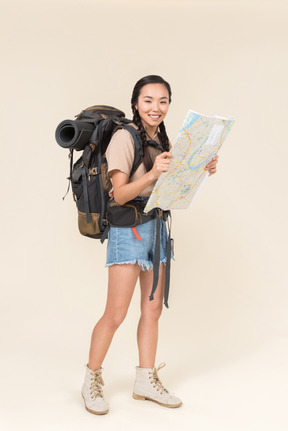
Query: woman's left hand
x=211 y=166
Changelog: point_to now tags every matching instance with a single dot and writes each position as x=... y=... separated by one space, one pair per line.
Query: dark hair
x=150 y=79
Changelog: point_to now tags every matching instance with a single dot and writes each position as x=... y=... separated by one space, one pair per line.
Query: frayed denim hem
x=144 y=264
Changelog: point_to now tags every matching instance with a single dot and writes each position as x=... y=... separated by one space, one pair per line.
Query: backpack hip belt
x=131 y=215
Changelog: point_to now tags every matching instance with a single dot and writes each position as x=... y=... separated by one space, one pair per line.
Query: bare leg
x=147 y=333
x=121 y=283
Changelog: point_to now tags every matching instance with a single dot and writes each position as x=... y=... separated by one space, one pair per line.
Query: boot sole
x=141 y=397
x=93 y=411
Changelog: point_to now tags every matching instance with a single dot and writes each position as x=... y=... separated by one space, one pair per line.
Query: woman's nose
x=155 y=107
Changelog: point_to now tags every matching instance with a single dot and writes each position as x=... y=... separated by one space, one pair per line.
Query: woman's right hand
x=161 y=164
x=125 y=191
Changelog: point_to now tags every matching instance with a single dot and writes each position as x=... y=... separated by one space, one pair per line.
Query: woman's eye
x=148 y=101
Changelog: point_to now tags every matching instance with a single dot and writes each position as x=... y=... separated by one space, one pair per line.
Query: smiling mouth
x=154 y=117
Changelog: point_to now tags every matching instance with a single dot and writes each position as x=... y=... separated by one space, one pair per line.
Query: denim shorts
x=124 y=247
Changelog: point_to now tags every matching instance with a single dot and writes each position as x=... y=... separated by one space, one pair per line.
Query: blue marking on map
x=200 y=164
x=197 y=151
x=195 y=117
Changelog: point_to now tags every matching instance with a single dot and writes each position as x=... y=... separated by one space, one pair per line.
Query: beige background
x=224 y=337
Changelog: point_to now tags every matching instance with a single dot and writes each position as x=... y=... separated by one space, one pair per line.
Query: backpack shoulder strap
x=138 y=146
x=138 y=155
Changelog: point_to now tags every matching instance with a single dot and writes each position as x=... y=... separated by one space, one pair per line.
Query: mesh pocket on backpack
x=88 y=229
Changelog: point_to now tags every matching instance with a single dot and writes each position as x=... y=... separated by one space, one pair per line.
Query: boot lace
x=96 y=384
x=155 y=381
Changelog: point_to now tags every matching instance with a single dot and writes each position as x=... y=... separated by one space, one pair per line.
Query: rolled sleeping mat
x=74 y=134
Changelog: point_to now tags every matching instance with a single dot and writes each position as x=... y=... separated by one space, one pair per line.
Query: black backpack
x=91 y=132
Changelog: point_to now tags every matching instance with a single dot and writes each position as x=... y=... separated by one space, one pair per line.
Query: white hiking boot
x=92 y=392
x=148 y=386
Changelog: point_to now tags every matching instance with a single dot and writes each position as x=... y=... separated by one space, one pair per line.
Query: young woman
x=129 y=258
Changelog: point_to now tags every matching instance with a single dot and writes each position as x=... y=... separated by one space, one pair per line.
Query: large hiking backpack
x=91 y=132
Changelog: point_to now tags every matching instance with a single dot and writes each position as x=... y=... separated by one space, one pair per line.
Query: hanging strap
x=168 y=262
x=156 y=260
x=105 y=233
x=85 y=192
x=70 y=175
x=138 y=237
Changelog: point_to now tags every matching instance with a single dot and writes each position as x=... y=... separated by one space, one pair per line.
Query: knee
x=152 y=310
x=113 y=319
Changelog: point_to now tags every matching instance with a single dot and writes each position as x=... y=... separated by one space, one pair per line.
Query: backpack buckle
x=94 y=171
x=160 y=212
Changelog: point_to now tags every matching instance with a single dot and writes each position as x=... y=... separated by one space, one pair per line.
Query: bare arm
x=124 y=191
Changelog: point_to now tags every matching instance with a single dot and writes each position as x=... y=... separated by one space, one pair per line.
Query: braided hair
x=150 y=79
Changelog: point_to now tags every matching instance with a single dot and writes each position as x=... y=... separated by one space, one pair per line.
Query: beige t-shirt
x=120 y=156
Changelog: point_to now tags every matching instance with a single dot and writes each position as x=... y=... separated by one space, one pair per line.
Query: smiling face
x=152 y=105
